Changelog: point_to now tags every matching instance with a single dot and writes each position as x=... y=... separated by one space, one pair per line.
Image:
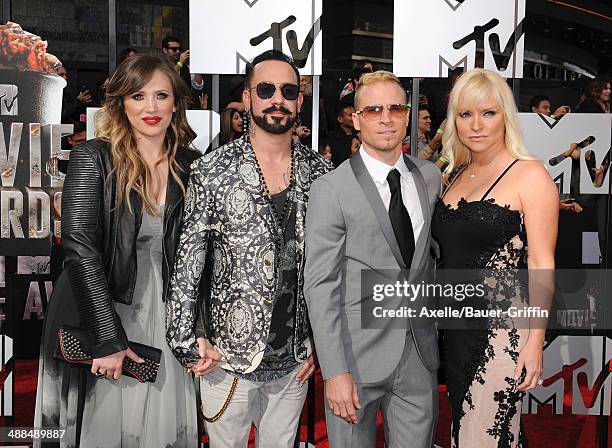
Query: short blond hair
x=375 y=77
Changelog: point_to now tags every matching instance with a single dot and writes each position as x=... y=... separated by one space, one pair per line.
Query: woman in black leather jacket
x=122 y=211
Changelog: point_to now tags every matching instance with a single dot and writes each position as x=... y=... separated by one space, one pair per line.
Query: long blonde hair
x=474 y=87
x=112 y=125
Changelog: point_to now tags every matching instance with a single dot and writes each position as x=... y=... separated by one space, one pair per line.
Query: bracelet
x=444 y=159
x=553 y=116
x=180 y=64
x=439 y=131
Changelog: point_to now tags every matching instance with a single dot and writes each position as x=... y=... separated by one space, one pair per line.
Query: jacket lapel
x=373 y=197
x=136 y=216
x=174 y=193
x=419 y=182
x=252 y=183
x=302 y=180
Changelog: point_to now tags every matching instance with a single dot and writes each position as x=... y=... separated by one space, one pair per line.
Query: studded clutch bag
x=74 y=346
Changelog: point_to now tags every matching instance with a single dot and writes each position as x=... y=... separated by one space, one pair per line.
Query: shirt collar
x=380 y=170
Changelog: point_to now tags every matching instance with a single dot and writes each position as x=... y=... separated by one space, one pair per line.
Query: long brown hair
x=112 y=125
x=592 y=90
x=227 y=131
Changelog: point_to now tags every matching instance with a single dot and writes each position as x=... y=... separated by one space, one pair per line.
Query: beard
x=277 y=126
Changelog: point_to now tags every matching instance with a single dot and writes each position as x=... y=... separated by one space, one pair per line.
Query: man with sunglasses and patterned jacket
x=369 y=219
x=243 y=235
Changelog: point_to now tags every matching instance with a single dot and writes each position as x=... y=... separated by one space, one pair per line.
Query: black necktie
x=400 y=219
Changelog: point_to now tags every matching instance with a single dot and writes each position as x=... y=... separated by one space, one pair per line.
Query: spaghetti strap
x=498 y=179
x=453 y=182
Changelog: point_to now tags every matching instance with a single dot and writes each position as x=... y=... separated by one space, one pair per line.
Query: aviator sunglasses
x=266 y=90
x=374 y=112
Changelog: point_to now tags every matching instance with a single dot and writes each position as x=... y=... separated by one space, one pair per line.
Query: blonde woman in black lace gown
x=497 y=198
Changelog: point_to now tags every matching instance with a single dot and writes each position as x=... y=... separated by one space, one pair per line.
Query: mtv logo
x=207 y=124
x=8 y=99
x=37 y=265
x=454 y=4
x=463 y=27
x=257 y=25
x=550 y=141
x=579 y=365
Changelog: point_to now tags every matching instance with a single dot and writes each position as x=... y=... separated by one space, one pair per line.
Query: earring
x=245 y=122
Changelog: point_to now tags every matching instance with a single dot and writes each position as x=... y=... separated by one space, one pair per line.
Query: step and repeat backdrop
x=31 y=131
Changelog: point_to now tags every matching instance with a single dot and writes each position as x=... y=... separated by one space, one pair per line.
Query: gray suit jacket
x=347 y=230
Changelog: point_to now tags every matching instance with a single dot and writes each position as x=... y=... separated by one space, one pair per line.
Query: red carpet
x=543 y=430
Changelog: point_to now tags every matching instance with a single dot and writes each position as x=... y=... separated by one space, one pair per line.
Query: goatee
x=277 y=126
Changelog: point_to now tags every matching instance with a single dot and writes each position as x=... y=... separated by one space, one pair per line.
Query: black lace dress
x=489 y=241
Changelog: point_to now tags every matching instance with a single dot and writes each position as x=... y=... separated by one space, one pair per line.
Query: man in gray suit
x=373 y=212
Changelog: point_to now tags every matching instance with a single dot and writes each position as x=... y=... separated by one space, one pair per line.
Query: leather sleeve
x=82 y=202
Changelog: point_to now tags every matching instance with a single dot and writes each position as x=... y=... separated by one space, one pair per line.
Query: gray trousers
x=273 y=407
x=409 y=403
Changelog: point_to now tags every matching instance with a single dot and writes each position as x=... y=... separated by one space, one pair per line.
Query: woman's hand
x=110 y=366
x=203 y=101
x=531 y=358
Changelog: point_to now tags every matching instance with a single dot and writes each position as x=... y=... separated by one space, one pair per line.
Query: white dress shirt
x=379 y=171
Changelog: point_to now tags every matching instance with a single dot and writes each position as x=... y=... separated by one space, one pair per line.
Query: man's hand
x=302 y=131
x=572 y=206
x=112 y=365
x=342 y=397
x=84 y=97
x=306 y=370
x=209 y=358
x=600 y=174
x=560 y=111
x=184 y=56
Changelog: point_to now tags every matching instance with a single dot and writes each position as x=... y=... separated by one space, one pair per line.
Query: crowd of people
x=242 y=266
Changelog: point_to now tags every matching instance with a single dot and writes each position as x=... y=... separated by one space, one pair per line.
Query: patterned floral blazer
x=229 y=228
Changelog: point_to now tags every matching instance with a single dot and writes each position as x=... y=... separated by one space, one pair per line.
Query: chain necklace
x=279 y=219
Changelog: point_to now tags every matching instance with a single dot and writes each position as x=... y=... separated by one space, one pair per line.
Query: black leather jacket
x=100 y=241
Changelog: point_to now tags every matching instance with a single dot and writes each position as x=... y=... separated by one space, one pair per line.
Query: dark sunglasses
x=372 y=113
x=177 y=49
x=266 y=90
